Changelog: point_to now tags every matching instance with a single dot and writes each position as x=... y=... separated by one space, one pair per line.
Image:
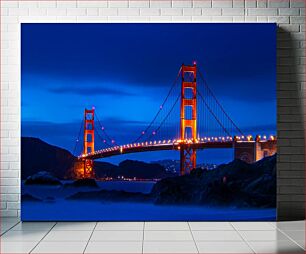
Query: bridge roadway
x=158 y=146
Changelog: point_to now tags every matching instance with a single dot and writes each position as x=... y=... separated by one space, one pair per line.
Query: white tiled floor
x=152 y=237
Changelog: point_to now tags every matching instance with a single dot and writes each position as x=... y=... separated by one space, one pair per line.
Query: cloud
x=89 y=90
x=118 y=120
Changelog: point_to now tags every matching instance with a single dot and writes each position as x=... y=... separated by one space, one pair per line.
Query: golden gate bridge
x=200 y=122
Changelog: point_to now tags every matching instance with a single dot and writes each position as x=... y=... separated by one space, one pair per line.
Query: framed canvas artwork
x=134 y=122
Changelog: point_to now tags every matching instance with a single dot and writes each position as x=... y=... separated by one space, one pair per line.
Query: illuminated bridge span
x=202 y=143
x=190 y=122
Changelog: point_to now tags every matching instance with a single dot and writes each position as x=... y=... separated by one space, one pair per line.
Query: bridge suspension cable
x=213 y=114
x=166 y=117
x=218 y=104
x=107 y=137
x=77 y=141
x=145 y=131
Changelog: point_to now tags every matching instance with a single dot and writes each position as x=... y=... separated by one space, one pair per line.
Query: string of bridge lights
x=121 y=148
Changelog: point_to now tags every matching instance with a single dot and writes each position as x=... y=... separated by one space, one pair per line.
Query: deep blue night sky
x=125 y=71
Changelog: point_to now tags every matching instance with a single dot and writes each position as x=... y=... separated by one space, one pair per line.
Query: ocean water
x=56 y=208
x=62 y=210
x=60 y=192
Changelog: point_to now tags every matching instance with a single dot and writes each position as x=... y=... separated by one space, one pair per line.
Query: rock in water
x=42 y=178
x=29 y=198
x=236 y=184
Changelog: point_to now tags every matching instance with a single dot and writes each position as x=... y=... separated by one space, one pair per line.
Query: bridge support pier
x=187 y=159
x=254 y=151
x=83 y=168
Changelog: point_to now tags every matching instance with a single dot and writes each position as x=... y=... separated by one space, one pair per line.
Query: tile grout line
x=143 y=232
x=246 y=242
x=10 y=228
x=193 y=237
x=273 y=225
x=90 y=237
x=290 y=238
x=42 y=238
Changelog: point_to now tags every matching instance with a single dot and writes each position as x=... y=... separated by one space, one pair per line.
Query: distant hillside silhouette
x=130 y=169
x=37 y=155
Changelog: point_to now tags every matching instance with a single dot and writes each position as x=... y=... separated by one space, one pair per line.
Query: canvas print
x=133 y=122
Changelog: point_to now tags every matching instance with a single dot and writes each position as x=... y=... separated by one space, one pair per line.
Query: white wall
x=289 y=14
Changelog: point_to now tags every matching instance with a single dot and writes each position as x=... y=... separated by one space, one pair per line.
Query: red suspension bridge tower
x=89 y=131
x=84 y=167
x=188 y=154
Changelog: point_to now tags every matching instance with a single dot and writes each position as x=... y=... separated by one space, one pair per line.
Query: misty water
x=55 y=206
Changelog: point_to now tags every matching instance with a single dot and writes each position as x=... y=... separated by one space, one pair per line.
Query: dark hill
x=236 y=183
x=37 y=155
x=136 y=168
x=130 y=169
